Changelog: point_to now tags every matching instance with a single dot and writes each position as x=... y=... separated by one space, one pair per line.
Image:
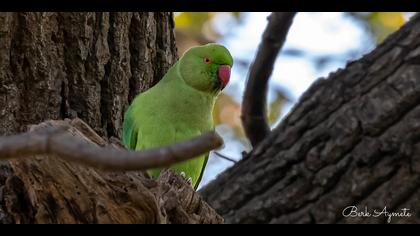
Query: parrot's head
x=206 y=68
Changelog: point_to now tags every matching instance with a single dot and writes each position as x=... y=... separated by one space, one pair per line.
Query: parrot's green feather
x=178 y=108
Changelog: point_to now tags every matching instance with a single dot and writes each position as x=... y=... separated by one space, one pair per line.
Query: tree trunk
x=90 y=66
x=352 y=140
x=86 y=65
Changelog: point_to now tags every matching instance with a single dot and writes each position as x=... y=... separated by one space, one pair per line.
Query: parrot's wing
x=202 y=172
x=203 y=168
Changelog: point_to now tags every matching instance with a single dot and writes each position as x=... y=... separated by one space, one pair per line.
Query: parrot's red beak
x=224 y=75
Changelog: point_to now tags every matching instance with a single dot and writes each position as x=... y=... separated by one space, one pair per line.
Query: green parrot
x=180 y=106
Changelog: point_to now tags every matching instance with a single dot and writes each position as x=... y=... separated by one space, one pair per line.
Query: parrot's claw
x=189 y=181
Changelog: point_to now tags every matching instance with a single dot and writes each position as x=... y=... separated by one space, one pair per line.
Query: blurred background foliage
x=197 y=28
x=380 y=24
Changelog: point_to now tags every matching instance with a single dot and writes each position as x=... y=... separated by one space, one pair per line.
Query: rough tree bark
x=85 y=65
x=352 y=139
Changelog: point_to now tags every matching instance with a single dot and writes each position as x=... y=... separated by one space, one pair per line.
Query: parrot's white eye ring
x=207 y=60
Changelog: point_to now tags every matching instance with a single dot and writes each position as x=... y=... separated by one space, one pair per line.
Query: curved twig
x=56 y=140
x=253 y=116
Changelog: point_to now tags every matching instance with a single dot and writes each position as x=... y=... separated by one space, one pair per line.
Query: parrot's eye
x=207 y=60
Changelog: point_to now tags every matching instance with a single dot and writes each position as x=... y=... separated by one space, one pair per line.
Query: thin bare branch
x=225 y=157
x=254 y=116
x=56 y=140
